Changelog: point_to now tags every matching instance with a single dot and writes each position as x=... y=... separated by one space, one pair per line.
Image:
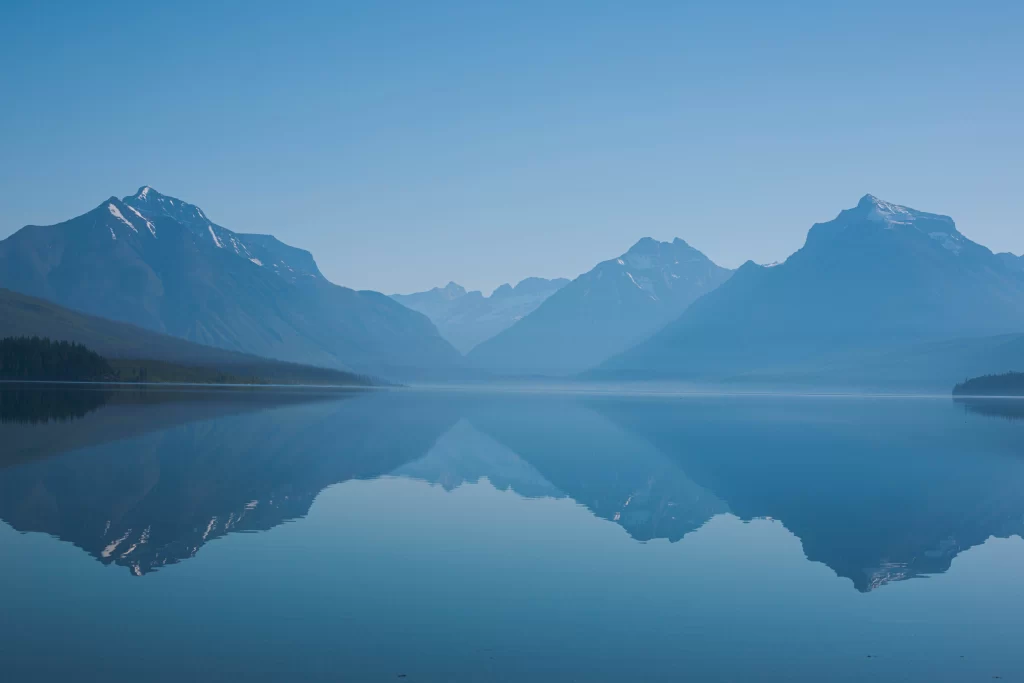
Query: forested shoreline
x=39 y=358
x=1006 y=384
x=42 y=359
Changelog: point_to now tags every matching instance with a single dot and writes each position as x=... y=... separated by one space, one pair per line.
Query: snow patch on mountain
x=116 y=213
x=644 y=284
x=150 y=226
x=894 y=216
x=952 y=242
x=890 y=214
x=214 y=236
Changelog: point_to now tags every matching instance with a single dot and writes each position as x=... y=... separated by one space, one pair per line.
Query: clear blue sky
x=411 y=143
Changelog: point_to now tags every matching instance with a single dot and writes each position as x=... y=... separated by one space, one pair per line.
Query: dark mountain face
x=604 y=311
x=878 y=277
x=468 y=318
x=160 y=263
x=27 y=316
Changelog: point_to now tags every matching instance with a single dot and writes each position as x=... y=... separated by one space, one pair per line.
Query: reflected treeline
x=47 y=419
x=40 y=404
x=1006 y=408
x=879 y=490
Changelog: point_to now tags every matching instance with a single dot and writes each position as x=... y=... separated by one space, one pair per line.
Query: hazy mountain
x=26 y=316
x=879 y=277
x=160 y=263
x=465 y=455
x=467 y=318
x=604 y=311
x=1012 y=260
x=611 y=472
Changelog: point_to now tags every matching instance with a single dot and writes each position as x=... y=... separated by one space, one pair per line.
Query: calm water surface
x=196 y=535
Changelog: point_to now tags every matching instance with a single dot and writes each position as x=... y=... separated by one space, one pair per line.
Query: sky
x=407 y=144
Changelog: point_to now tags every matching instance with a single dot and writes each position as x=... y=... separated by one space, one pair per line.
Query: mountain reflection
x=616 y=475
x=156 y=496
x=878 y=490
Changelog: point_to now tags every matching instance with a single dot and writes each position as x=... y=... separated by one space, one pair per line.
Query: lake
x=189 y=534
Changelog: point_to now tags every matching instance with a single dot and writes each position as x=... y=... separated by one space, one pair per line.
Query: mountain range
x=878 y=280
x=883 y=295
x=160 y=263
x=467 y=318
x=617 y=304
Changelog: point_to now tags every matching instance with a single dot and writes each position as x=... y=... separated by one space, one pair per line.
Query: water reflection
x=179 y=479
x=878 y=490
x=617 y=475
x=27 y=404
x=1009 y=408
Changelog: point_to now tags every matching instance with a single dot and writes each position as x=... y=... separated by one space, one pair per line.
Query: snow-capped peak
x=152 y=204
x=146 y=195
x=885 y=212
x=893 y=216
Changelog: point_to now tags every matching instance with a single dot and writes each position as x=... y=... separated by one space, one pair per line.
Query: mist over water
x=524 y=532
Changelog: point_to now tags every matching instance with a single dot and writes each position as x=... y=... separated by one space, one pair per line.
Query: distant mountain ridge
x=160 y=263
x=880 y=276
x=468 y=318
x=1012 y=260
x=617 y=304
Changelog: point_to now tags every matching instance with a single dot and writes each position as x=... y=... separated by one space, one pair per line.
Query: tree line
x=42 y=359
x=39 y=358
x=1007 y=384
